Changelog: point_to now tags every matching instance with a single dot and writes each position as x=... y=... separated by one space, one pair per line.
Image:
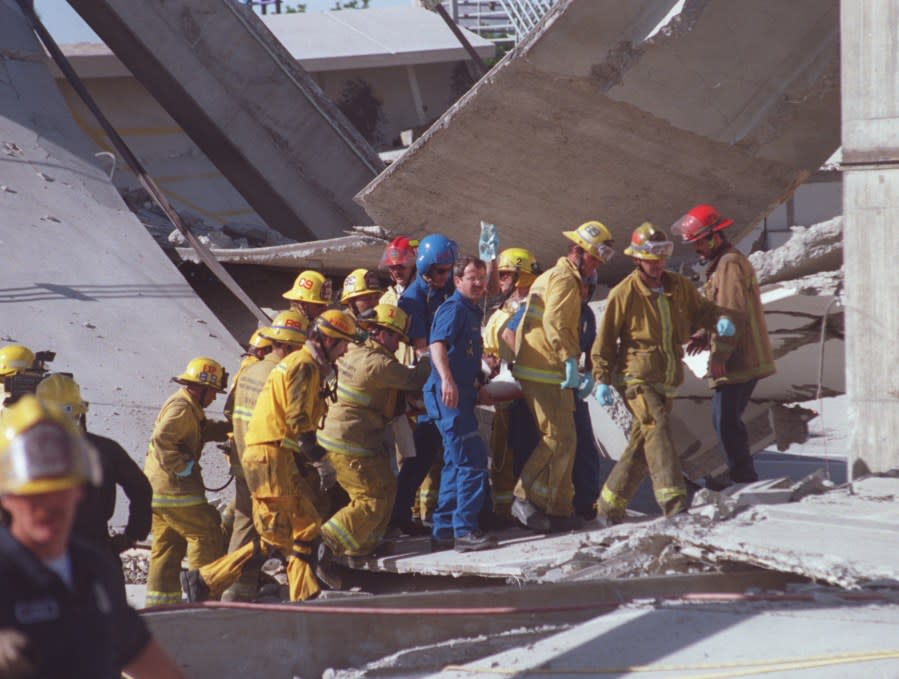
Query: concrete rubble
x=682 y=108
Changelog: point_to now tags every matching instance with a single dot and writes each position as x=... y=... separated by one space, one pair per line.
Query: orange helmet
x=337 y=324
x=700 y=222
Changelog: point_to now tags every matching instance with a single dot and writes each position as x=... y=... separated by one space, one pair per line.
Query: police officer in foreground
x=62 y=613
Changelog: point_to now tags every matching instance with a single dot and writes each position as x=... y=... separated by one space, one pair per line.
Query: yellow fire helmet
x=390 y=317
x=289 y=327
x=42 y=451
x=650 y=243
x=204 y=372
x=311 y=287
x=61 y=390
x=337 y=324
x=520 y=261
x=360 y=282
x=595 y=238
x=15 y=358
x=258 y=341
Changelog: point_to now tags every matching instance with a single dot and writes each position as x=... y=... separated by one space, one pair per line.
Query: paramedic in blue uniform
x=451 y=392
x=63 y=611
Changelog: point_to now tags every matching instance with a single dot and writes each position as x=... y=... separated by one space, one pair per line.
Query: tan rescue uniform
x=183 y=522
x=369 y=395
x=639 y=349
x=547 y=336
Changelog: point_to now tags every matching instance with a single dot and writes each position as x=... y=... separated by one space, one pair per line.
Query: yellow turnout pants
x=283 y=516
x=357 y=528
x=502 y=472
x=195 y=531
x=651 y=449
x=546 y=477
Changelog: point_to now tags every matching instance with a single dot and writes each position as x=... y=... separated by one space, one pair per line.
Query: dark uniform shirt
x=458 y=325
x=97 y=507
x=420 y=302
x=87 y=631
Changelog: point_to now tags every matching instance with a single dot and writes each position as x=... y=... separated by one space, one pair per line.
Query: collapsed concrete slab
x=623 y=111
x=82 y=276
x=241 y=97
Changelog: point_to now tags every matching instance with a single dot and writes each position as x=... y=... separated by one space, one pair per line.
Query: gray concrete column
x=870 y=94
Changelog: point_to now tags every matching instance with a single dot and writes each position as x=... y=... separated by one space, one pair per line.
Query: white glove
x=327 y=477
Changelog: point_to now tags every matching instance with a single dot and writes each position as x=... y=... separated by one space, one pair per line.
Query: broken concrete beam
x=248 y=105
x=624 y=111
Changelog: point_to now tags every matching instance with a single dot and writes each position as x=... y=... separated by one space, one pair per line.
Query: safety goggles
x=659 y=248
x=604 y=252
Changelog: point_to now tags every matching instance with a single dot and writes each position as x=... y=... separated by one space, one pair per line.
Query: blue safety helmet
x=436 y=249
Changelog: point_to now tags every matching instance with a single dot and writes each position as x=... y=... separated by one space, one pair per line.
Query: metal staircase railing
x=503 y=21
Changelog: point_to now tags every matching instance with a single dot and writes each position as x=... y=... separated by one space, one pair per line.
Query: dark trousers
x=728 y=403
x=585 y=473
x=428 y=446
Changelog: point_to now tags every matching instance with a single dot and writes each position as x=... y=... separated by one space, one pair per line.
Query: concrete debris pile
x=810 y=250
x=230 y=235
x=135 y=565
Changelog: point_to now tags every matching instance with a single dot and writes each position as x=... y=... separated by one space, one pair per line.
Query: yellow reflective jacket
x=292 y=401
x=369 y=383
x=405 y=354
x=642 y=333
x=548 y=334
x=493 y=341
x=732 y=285
x=180 y=431
x=245 y=363
x=247 y=387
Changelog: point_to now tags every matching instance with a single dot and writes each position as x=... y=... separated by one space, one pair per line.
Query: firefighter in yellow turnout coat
x=649 y=316
x=281 y=435
x=548 y=348
x=369 y=395
x=183 y=522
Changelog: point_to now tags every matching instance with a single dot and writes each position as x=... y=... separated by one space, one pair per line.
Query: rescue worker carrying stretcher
x=281 y=438
x=649 y=316
x=370 y=393
x=183 y=521
x=547 y=353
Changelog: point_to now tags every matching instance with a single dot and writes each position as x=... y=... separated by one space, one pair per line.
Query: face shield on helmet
x=521 y=263
x=339 y=325
x=62 y=391
x=310 y=287
x=594 y=238
x=700 y=222
x=399 y=252
x=390 y=317
x=15 y=358
x=649 y=243
x=289 y=327
x=204 y=372
x=359 y=283
x=41 y=451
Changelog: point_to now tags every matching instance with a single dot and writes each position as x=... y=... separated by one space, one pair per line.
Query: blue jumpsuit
x=464 y=481
x=420 y=302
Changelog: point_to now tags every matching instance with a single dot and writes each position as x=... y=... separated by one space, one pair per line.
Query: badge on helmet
x=310 y=287
x=204 y=372
x=390 y=317
x=289 y=327
x=649 y=243
x=595 y=239
x=360 y=282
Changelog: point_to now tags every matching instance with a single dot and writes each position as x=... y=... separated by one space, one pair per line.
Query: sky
x=66 y=26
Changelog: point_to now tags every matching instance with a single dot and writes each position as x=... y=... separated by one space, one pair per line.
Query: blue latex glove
x=586 y=386
x=725 y=327
x=572 y=376
x=184 y=473
x=603 y=394
x=488 y=243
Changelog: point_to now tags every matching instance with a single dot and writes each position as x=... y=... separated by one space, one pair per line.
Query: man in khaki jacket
x=648 y=318
x=736 y=363
x=183 y=522
x=546 y=364
x=369 y=395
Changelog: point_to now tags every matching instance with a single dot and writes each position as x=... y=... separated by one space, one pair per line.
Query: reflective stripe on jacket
x=732 y=285
x=548 y=333
x=493 y=341
x=248 y=385
x=642 y=333
x=290 y=403
x=368 y=386
x=178 y=436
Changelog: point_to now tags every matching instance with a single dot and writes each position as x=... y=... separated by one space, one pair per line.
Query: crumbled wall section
x=623 y=111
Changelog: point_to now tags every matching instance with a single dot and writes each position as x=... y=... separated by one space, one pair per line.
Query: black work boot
x=325 y=568
x=530 y=516
x=474 y=542
x=193 y=586
x=563 y=524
